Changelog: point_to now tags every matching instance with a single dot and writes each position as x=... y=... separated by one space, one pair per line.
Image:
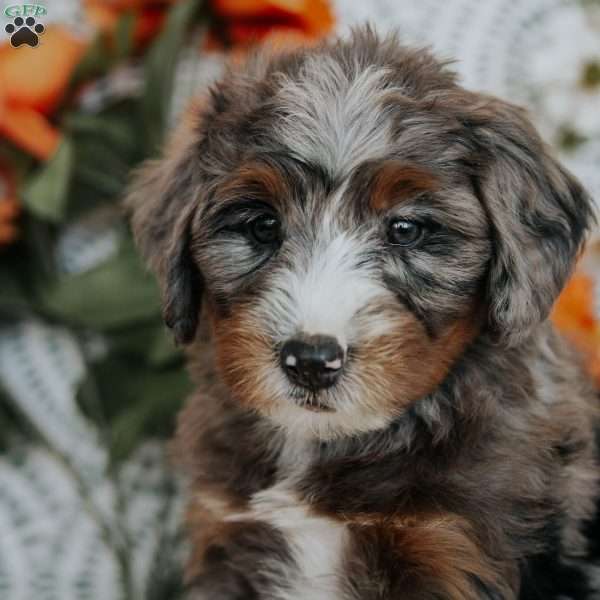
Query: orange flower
x=9 y=207
x=32 y=84
x=252 y=20
x=574 y=315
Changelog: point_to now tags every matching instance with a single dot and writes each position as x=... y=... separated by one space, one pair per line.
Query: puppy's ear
x=162 y=200
x=539 y=212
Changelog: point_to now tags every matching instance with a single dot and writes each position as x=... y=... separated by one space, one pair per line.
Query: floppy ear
x=162 y=200
x=539 y=213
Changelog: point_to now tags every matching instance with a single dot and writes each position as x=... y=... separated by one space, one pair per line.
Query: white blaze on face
x=332 y=289
x=325 y=288
x=329 y=288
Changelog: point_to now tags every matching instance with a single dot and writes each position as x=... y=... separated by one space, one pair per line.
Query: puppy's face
x=354 y=220
x=336 y=304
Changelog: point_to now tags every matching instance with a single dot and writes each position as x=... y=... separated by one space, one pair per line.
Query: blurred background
x=90 y=381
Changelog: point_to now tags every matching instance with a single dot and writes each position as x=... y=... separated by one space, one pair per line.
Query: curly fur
x=456 y=456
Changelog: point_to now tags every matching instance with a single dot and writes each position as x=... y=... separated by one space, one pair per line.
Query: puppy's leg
x=246 y=560
x=428 y=559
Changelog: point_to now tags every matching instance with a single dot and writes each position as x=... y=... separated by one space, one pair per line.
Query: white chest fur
x=317 y=543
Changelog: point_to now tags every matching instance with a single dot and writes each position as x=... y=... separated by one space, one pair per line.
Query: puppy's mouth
x=311 y=401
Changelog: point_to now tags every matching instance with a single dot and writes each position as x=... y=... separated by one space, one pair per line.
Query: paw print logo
x=24 y=32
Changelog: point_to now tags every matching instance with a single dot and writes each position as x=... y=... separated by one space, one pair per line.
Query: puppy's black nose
x=314 y=362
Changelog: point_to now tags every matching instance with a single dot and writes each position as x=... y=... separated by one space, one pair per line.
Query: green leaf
x=107 y=146
x=23 y=266
x=117 y=293
x=153 y=400
x=96 y=61
x=131 y=402
x=19 y=160
x=113 y=128
x=163 y=351
x=148 y=342
x=160 y=68
x=14 y=300
x=46 y=193
x=124 y=35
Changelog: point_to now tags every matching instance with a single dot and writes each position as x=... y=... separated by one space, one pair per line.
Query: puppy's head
x=352 y=220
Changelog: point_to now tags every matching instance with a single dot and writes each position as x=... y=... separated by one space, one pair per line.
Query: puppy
x=383 y=409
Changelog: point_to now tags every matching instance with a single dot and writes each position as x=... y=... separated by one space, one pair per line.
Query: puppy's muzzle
x=313 y=362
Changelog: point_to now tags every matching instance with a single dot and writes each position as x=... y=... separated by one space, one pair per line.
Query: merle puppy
x=362 y=256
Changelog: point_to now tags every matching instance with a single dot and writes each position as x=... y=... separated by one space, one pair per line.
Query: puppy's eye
x=402 y=232
x=265 y=229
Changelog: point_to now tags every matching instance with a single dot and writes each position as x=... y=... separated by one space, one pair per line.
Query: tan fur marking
x=397 y=181
x=435 y=553
x=408 y=362
x=254 y=180
x=242 y=354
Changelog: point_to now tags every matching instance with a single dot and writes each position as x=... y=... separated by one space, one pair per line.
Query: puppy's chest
x=317 y=543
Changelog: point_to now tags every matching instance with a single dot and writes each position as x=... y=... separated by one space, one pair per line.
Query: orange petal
x=574 y=316
x=9 y=210
x=260 y=8
x=102 y=16
x=30 y=131
x=8 y=234
x=314 y=17
x=148 y=25
x=37 y=77
x=574 y=309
